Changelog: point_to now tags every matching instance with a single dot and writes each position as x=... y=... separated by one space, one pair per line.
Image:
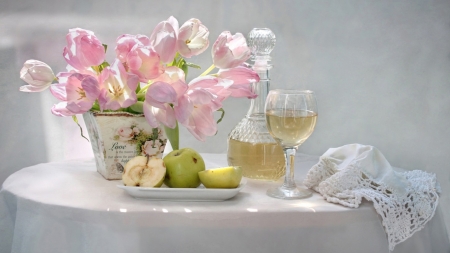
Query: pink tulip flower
x=126 y=42
x=61 y=110
x=233 y=82
x=83 y=49
x=144 y=62
x=118 y=88
x=162 y=101
x=216 y=90
x=196 y=107
x=164 y=39
x=175 y=77
x=200 y=120
x=171 y=75
x=58 y=90
x=82 y=91
x=205 y=95
x=37 y=74
x=242 y=77
x=192 y=38
x=157 y=104
x=230 y=51
x=201 y=123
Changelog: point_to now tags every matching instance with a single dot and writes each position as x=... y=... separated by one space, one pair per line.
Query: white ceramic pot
x=116 y=137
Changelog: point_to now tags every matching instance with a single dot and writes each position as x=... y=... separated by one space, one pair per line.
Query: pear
x=144 y=172
x=226 y=177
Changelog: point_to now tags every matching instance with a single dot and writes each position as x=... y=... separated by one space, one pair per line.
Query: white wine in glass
x=291 y=116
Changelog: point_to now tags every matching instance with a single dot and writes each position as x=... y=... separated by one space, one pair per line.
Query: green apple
x=182 y=167
x=227 y=177
x=144 y=172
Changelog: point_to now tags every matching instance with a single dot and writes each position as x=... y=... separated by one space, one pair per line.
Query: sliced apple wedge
x=226 y=177
x=144 y=172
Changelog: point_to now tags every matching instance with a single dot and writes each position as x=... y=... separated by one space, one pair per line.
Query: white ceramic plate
x=183 y=194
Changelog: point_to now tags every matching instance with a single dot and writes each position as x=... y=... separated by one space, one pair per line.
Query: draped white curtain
x=380 y=70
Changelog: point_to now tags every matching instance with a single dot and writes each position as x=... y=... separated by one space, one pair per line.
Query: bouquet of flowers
x=148 y=75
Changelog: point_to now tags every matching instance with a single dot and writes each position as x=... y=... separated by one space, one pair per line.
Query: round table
x=68 y=207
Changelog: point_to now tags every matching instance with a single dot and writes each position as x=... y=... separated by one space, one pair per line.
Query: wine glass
x=291 y=116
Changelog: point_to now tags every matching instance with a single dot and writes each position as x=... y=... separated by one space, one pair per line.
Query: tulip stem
x=208 y=70
x=144 y=89
x=173 y=134
x=140 y=96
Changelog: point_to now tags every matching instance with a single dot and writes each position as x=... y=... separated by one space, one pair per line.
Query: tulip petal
x=61 y=110
x=166 y=117
x=164 y=41
x=171 y=74
x=160 y=93
x=180 y=88
x=239 y=75
x=31 y=88
x=90 y=86
x=174 y=23
x=183 y=109
x=59 y=91
x=200 y=96
x=148 y=113
x=201 y=123
x=203 y=82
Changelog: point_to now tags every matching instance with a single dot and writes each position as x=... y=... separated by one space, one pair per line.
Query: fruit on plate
x=226 y=177
x=144 y=172
x=182 y=168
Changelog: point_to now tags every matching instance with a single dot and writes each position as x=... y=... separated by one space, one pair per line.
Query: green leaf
x=138 y=107
x=95 y=106
x=192 y=65
x=75 y=119
x=105 y=47
x=173 y=63
x=221 y=116
x=183 y=66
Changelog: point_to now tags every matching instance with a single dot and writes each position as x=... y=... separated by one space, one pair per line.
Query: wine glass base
x=288 y=193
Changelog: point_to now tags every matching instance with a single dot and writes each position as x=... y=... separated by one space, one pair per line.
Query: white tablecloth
x=68 y=207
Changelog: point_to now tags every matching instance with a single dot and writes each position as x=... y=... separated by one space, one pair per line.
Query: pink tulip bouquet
x=148 y=75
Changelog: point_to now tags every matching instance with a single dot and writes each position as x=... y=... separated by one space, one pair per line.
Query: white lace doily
x=404 y=200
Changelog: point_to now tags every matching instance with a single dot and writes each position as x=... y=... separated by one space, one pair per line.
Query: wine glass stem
x=289 y=154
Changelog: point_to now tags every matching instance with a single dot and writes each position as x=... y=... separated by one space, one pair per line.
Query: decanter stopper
x=261 y=41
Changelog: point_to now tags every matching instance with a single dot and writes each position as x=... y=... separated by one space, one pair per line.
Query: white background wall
x=380 y=69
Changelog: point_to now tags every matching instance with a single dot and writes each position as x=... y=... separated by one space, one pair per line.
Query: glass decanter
x=249 y=144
